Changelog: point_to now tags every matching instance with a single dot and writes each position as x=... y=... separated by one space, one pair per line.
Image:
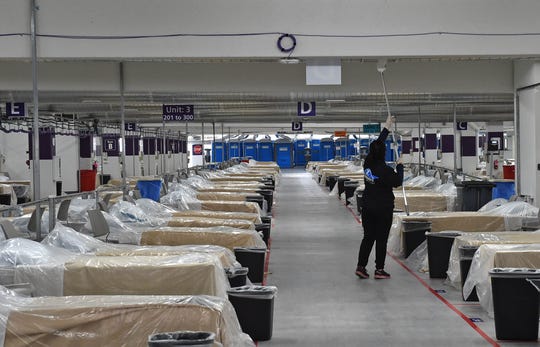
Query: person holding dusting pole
x=378 y=203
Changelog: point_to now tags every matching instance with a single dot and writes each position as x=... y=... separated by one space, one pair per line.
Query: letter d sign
x=306 y=109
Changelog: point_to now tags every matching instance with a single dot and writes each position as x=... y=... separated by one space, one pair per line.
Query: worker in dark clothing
x=378 y=204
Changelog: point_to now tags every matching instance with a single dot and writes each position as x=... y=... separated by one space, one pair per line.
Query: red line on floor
x=447 y=303
x=443 y=300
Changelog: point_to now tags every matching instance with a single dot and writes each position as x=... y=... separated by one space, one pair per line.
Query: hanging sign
x=306 y=109
x=371 y=128
x=130 y=126
x=461 y=125
x=340 y=133
x=296 y=126
x=15 y=110
x=173 y=113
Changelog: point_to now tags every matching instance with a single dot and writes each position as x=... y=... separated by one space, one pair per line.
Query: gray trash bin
x=466 y=254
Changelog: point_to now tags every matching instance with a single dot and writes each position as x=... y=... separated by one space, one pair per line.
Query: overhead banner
x=174 y=113
x=296 y=126
x=306 y=109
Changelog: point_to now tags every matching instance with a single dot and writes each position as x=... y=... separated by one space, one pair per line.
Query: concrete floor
x=321 y=302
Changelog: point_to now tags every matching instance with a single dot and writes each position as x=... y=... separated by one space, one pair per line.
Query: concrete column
x=527 y=83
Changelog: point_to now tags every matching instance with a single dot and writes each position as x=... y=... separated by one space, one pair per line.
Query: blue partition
x=249 y=148
x=218 y=151
x=352 y=147
x=342 y=147
x=234 y=149
x=265 y=150
x=327 y=149
x=299 y=158
x=315 y=150
x=283 y=152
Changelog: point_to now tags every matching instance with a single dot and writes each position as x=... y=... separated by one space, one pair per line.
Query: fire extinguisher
x=496 y=164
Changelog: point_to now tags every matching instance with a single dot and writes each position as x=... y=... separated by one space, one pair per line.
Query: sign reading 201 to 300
x=173 y=113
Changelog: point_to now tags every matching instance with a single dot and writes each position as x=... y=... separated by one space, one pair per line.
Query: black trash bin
x=5 y=199
x=265 y=229
x=515 y=303
x=256 y=198
x=266 y=219
x=471 y=195
x=466 y=254
x=439 y=246
x=182 y=338
x=237 y=276
x=254 y=306
x=331 y=182
x=349 y=187
x=268 y=195
x=414 y=233
x=341 y=184
x=253 y=259
x=58 y=188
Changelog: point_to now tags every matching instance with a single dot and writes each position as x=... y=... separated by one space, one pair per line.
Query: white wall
x=66 y=162
x=142 y=17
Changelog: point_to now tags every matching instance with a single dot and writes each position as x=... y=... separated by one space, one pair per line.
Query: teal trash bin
x=150 y=189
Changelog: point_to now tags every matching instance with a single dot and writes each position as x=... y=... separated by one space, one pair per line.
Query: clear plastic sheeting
x=78 y=209
x=221 y=236
x=198 y=182
x=69 y=239
x=478 y=239
x=423 y=182
x=17 y=251
x=489 y=256
x=493 y=204
x=449 y=190
x=154 y=208
x=516 y=213
x=188 y=274
x=418 y=259
x=89 y=321
x=126 y=212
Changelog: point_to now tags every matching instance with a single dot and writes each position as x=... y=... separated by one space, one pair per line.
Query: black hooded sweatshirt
x=379 y=180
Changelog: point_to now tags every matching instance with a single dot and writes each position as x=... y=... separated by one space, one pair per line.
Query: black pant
x=377 y=224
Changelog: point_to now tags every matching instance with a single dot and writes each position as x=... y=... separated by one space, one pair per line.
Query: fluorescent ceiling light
x=289 y=61
x=335 y=100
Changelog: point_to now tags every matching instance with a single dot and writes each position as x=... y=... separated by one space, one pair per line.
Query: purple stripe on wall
x=406 y=146
x=415 y=144
x=431 y=141
x=149 y=145
x=132 y=145
x=447 y=143
x=468 y=146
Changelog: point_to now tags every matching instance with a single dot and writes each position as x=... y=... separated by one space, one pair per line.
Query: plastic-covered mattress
x=221 y=236
x=252 y=217
x=188 y=274
x=478 y=239
x=422 y=201
x=223 y=196
x=204 y=222
x=111 y=321
x=489 y=256
x=70 y=240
